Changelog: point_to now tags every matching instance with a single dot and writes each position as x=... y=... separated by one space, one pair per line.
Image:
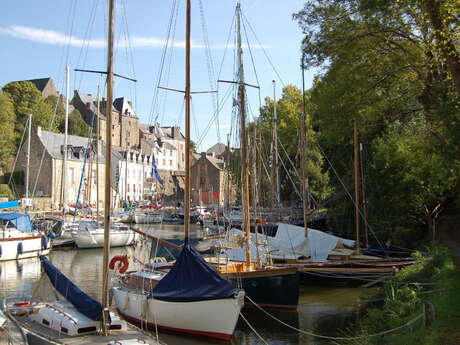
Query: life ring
x=123 y=263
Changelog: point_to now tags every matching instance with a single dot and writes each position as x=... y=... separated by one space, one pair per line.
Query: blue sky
x=39 y=38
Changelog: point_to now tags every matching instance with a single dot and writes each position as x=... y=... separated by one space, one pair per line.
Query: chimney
x=176 y=132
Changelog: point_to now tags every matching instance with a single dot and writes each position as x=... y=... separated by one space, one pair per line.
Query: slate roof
x=218 y=163
x=40 y=83
x=218 y=149
x=54 y=141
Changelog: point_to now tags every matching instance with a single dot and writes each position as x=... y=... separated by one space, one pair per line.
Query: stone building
x=45 y=86
x=49 y=180
x=208 y=179
x=125 y=124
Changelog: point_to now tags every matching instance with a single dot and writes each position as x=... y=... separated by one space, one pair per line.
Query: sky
x=39 y=38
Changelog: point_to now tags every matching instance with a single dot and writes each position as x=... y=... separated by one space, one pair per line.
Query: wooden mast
x=187 y=124
x=108 y=159
x=244 y=153
x=304 y=154
x=356 y=185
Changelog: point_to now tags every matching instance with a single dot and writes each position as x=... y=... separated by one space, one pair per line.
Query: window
x=170 y=162
x=71 y=175
x=170 y=152
x=164 y=162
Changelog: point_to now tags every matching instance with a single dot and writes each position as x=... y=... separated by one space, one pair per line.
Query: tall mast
x=244 y=153
x=187 y=125
x=275 y=130
x=108 y=159
x=28 y=160
x=356 y=185
x=363 y=187
x=66 y=121
x=98 y=133
x=304 y=153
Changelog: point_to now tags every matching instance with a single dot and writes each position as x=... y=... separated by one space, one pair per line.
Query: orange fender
x=123 y=263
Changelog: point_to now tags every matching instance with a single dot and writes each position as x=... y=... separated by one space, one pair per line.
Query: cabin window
x=64 y=330
x=115 y=326
x=45 y=322
x=86 y=329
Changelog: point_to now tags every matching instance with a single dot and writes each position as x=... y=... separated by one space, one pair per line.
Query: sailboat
x=76 y=318
x=191 y=297
x=265 y=285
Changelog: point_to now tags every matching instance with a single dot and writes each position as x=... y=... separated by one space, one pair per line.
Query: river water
x=324 y=310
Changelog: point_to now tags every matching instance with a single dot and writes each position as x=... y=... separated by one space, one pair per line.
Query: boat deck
x=94 y=339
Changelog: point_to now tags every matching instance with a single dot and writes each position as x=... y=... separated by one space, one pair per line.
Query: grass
x=434 y=280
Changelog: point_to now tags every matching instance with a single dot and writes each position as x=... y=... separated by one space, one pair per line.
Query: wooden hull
x=211 y=318
x=268 y=288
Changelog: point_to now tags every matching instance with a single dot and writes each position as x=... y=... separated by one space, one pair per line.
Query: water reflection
x=322 y=309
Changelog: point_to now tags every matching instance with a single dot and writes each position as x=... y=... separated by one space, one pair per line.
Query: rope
x=410 y=322
x=253 y=329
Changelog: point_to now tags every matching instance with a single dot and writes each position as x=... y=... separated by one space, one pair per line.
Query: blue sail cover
x=20 y=220
x=84 y=303
x=192 y=279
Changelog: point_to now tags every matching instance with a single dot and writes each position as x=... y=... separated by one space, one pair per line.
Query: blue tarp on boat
x=192 y=279
x=84 y=303
x=9 y=204
x=20 y=220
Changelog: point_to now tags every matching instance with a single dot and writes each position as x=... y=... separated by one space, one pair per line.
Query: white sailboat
x=191 y=298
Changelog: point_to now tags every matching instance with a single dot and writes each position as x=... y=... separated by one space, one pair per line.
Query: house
x=125 y=124
x=45 y=86
x=46 y=176
x=208 y=180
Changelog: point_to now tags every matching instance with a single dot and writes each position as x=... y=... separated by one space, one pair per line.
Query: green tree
x=25 y=97
x=7 y=118
x=77 y=126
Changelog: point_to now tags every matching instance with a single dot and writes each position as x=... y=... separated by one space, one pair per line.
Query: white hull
x=143 y=218
x=213 y=318
x=95 y=238
x=15 y=244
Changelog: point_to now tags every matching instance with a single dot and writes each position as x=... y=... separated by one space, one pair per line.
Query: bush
x=6 y=192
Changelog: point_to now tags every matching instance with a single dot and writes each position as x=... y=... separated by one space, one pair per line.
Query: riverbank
x=432 y=283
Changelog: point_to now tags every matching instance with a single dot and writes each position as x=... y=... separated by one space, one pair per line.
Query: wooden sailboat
x=191 y=298
x=267 y=286
x=78 y=318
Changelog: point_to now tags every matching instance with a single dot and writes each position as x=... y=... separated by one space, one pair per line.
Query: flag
x=155 y=172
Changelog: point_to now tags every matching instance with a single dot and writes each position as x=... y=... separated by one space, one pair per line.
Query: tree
x=7 y=119
x=25 y=97
x=380 y=63
x=77 y=126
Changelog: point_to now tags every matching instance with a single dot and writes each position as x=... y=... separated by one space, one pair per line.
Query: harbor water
x=325 y=310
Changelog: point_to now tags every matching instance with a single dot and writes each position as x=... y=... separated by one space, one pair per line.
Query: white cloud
x=57 y=38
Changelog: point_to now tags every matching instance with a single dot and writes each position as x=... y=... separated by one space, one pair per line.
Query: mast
x=97 y=153
x=66 y=121
x=108 y=180
x=275 y=130
x=244 y=153
x=304 y=154
x=356 y=185
x=28 y=160
x=363 y=187
x=187 y=125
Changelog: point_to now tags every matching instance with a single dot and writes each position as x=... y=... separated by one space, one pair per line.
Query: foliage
x=6 y=192
x=77 y=126
x=432 y=279
x=7 y=118
x=380 y=63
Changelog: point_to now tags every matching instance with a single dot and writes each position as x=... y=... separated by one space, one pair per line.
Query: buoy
x=123 y=263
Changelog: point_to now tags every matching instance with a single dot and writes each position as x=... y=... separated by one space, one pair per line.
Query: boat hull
x=141 y=218
x=270 y=288
x=95 y=239
x=20 y=245
x=212 y=318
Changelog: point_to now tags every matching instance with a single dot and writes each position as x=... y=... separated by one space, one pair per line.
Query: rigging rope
x=410 y=322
